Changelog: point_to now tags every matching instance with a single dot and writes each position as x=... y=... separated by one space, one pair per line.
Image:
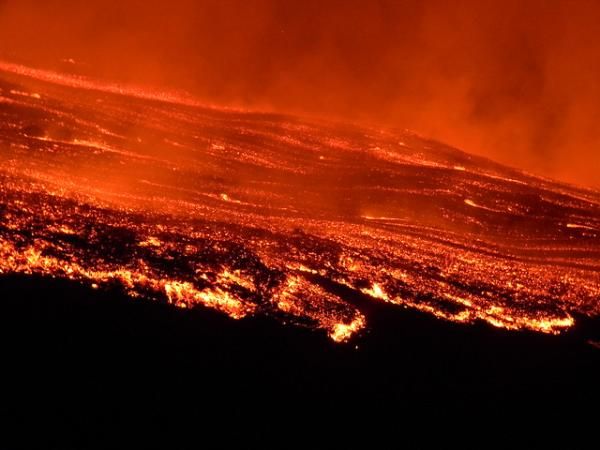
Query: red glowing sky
x=516 y=81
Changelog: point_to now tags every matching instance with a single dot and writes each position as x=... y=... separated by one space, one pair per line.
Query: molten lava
x=253 y=213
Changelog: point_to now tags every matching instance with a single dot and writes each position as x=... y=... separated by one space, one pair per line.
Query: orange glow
x=342 y=332
x=507 y=79
x=252 y=214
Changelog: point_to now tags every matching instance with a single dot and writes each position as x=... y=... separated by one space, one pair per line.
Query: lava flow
x=248 y=213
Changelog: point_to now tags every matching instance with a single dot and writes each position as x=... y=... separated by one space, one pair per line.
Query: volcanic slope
x=264 y=214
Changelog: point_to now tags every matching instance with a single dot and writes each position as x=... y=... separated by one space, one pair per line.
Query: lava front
x=250 y=213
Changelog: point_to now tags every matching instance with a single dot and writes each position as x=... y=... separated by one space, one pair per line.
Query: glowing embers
x=462 y=300
x=376 y=291
x=303 y=299
x=136 y=281
x=184 y=294
x=151 y=241
x=341 y=332
x=306 y=223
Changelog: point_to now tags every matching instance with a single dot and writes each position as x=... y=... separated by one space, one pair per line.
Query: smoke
x=515 y=81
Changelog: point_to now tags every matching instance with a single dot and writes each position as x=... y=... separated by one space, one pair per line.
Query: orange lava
x=249 y=213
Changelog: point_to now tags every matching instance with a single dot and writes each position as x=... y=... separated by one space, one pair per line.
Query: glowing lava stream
x=252 y=213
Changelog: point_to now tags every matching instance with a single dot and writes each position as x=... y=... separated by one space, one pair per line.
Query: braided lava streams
x=267 y=214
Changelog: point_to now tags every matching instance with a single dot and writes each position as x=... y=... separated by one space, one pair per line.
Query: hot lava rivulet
x=250 y=213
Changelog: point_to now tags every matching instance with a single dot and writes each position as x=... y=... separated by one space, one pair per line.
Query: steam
x=514 y=81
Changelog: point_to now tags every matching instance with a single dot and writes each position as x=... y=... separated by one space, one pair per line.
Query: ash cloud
x=515 y=81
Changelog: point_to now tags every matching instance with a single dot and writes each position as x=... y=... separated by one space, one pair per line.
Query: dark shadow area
x=88 y=368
